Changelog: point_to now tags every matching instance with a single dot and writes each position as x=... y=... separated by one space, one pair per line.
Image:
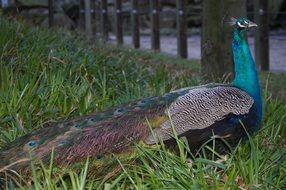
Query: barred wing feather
x=200 y=108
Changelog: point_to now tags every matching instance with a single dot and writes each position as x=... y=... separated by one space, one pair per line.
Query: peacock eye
x=63 y=142
x=120 y=110
x=32 y=144
x=99 y=157
x=240 y=24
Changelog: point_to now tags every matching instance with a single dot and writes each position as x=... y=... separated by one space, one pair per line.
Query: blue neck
x=246 y=77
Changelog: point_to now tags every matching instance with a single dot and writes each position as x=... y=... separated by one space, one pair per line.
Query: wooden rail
x=182 y=29
x=262 y=34
x=155 y=26
x=118 y=21
x=87 y=18
x=101 y=13
x=135 y=24
x=104 y=20
x=51 y=13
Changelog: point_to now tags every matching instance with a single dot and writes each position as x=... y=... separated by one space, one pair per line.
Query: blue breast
x=246 y=77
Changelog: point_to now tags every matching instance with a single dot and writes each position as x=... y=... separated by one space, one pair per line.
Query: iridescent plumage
x=196 y=112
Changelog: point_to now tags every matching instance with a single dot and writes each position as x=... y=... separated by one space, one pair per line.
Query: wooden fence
x=86 y=8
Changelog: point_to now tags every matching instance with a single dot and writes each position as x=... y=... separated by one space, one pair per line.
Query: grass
x=49 y=76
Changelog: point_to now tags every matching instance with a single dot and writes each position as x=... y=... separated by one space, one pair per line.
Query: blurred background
x=170 y=26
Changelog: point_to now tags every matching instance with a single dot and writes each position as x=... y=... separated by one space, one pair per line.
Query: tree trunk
x=216 y=36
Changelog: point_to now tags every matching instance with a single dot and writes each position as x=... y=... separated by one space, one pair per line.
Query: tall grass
x=49 y=75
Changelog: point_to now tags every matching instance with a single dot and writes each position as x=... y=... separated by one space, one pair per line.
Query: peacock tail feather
x=112 y=131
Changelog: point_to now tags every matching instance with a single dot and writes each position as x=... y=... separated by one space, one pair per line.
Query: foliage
x=50 y=75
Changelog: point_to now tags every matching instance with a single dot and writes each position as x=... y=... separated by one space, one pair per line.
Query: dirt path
x=277 y=42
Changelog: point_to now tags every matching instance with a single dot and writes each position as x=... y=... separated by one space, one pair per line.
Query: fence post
x=97 y=16
x=81 y=14
x=118 y=21
x=104 y=20
x=51 y=13
x=262 y=34
x=93 y=17
x=181 y=29
x=155 y=25
x=87 y=18
x=135 y=24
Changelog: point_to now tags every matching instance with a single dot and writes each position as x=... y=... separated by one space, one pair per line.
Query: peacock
x=197 y=113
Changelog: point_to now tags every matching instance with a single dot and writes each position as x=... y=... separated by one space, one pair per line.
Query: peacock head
x=242 y=23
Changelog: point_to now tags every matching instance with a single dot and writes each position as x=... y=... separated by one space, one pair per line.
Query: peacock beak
x=252 y=24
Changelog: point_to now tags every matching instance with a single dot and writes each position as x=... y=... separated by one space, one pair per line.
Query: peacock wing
x=200 y=108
